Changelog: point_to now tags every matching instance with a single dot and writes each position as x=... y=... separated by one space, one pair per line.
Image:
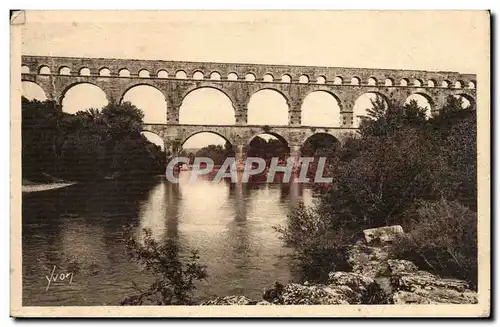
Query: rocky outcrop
x=229 y=300
x=342 y=288
x=382 y=234
x=411 y=285
x=293 y=293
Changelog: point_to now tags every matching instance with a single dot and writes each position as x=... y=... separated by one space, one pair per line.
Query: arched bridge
x=176 y=79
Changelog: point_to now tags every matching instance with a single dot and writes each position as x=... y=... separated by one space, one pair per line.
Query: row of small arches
x=198 y=75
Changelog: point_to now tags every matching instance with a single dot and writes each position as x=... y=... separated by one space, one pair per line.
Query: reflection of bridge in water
x=175 y=80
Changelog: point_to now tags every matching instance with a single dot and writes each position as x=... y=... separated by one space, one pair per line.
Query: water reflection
x=231 y=224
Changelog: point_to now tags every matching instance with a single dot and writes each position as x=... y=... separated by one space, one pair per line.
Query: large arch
x=364 y=103
x=319 y=144
x=321 y=108
x=154 y=138
x=424 y=100
x=33 y=91
x=268 y=107
x=202 y=139
x=207 y=105
x=467 y=100
x=206 y=143
x=150 y=100
x=267 y=145
x=82 y=96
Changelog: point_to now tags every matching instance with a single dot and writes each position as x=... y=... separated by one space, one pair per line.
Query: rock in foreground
x=416 y=286
x=229 y=300
x=342 y=288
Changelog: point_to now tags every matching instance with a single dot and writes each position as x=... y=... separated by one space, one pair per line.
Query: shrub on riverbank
x=441 y=238
x=175 y=277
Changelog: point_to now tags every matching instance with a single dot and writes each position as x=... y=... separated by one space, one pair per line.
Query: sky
x=447 y=41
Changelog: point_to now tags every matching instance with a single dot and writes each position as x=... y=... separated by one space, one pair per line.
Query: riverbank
x=374 y=278
x=39 y=187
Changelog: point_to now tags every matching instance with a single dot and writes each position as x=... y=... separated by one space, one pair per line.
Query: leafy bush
x=442 y=238
x=89 y=145
x=319 y=247
x=174 y=276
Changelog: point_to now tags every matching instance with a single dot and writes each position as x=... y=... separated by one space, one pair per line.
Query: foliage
x=442 y=238
x=399 y=158
x=174 y=276
x=320 y=145
x=216 y=152
x=267 y=149
x=89 y=145
x=320 y=248
x=42 y=137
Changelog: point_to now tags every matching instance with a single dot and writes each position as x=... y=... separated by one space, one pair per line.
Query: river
x=79 y=230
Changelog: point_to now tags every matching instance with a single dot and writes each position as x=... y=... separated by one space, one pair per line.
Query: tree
x=41 y=132
x=261 y=148
x=122 y=120
x=215 y=152
x=89 y=145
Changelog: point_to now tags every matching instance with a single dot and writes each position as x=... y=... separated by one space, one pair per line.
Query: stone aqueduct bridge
x=176 y=79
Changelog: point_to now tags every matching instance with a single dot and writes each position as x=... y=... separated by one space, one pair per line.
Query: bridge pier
x=239 y=156
x=295 y=152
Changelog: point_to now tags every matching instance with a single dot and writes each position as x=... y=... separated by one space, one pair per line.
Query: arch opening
x=250 y=77
x=162 y=74
x=268 y=145
x=366 y=102
x=124 y=73
x=25 y=69
x=355 y=81
x=64 y=71
x=155 y=139
x=83 y=96
x=389 y=82
x=44 y=70
x=286 y=78
x=468 y=102
x=304 y=79
x=372 y=81
x=150 y=100
x=431 y=83
x=144 y=73
x=180 y=74
x=403 y=82
x=321 y=108
x=459 y=84
x=215 y=76
x=207 y=144
x=198 y=75
x=207 y=106
x=320 y=144
x=232 y=77
x=84 y=71
x=472 y=85
x=423 y=101
x=33 y=91
x=417 y=83
x=268 y=78
x=104 y=72
x=321 y=80
x=445 y=84
x=338 y=80
x=267 y=107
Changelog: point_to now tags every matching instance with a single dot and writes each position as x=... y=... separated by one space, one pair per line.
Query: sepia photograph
x=250 y=163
